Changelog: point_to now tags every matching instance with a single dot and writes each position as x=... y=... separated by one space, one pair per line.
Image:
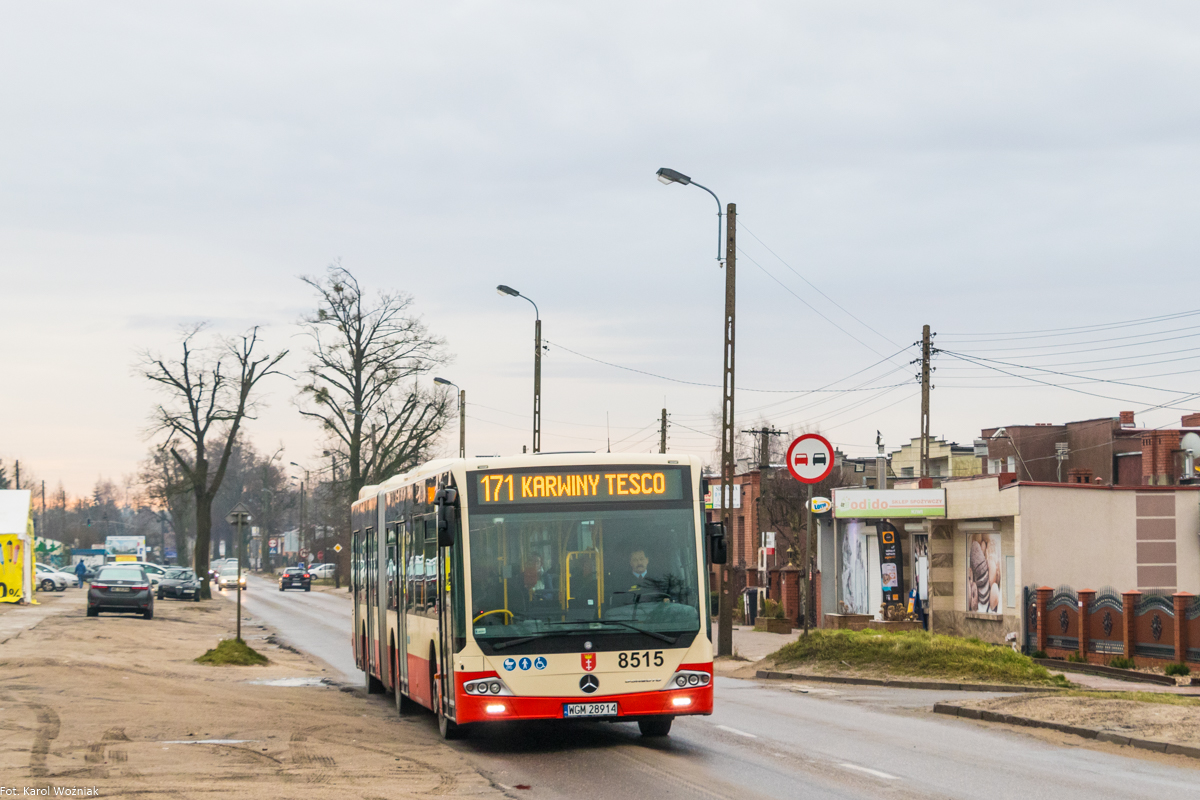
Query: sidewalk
x=15 y=619
x=116 y=704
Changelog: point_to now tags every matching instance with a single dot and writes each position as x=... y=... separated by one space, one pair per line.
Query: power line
x=1064 y=374
x=1092 y=349
x=811 y=284
x=704 y=385
x=1083 y=328
x=814 y=309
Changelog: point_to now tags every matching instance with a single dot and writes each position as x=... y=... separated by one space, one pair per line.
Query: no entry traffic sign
x=810 y=458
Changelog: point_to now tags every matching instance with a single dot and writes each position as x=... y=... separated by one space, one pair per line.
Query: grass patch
x=233 y=652
x=1141 y=697
x=917 y=653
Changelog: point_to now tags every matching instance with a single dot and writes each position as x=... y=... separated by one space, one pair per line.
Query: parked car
x=49 y=580
x=154 y=572
x=295 y=578
x=322 y=570
x=181 y=584
x=121 y=587
x=72 y=578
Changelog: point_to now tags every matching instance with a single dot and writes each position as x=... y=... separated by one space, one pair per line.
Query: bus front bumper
x=669 y=702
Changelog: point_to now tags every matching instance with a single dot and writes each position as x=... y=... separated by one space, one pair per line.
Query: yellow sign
x=11 y=558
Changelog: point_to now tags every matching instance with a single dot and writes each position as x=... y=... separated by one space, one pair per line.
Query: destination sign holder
x=613 y=485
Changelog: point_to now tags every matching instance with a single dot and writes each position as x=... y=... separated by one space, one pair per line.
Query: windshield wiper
x=534 y=637
x=660 y=636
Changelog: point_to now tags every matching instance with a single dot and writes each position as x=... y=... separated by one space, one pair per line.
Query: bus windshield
x=570 y=571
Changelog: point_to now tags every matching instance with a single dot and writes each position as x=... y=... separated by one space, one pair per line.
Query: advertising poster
x=891 y=575
x=854 y=569
x=10 y=568
x=984 y=573
x=920 y=555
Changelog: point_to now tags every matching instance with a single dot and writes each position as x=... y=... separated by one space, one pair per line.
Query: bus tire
x=655 y=726
x=448 y=729
x=374 y=685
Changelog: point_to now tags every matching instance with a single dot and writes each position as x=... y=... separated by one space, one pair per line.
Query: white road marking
x=870 y=771
x=737 y=732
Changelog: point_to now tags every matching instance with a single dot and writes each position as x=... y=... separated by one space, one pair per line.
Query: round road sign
x=810 y=458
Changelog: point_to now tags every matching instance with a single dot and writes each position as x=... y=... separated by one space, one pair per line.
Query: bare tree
x=362 y=380
x=164 y=485
x=205 y=402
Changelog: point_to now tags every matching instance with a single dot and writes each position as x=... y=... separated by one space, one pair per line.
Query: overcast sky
x=986 y=168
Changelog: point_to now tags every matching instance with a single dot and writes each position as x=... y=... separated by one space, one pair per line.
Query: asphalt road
x=319 y=623
x=765 y=740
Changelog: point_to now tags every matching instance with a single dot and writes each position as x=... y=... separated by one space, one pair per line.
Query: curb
x=897 y=684
x=1087 y=733
x=1104 y=671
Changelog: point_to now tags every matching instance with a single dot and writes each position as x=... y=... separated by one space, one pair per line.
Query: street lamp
x=537 y=365
x=725 y=613
x=462 y=415
x=303 y=484
x=667 y=176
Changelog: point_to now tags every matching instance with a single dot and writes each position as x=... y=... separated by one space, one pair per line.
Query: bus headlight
x=679 y=702
x=486 y=686
x=495 y=708
x=688 y=678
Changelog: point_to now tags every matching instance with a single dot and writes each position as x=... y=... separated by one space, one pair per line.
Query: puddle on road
x=294 y=682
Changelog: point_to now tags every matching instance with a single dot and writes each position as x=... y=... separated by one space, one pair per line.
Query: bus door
x=372 y=591
x=393 y=604
x=451 y=625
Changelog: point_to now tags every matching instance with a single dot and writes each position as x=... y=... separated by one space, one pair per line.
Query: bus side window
x=410 y=572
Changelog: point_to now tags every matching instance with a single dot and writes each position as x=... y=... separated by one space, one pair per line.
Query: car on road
x=295 y=578
x=229 y=578
x=49 y=580
x=181 y=584
x=322 y=570
x=123 y=588
x=221 y=565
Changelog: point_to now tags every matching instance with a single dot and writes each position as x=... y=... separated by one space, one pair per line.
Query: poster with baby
x=984 y=577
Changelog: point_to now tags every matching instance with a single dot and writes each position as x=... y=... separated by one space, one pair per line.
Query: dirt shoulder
x=117 y=703
x=1156 y=721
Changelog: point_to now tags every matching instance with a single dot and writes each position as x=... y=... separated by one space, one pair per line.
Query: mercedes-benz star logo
x=589 y=683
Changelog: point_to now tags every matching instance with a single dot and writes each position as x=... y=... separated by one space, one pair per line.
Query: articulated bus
x=549 y=586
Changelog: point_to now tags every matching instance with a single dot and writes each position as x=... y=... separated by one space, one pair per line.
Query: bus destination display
x=602 y=485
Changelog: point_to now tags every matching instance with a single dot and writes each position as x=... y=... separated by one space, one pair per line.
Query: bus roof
x=524 y=461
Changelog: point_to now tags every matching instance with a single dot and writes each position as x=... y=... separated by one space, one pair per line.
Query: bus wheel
x=449 y=730
x=655 y=726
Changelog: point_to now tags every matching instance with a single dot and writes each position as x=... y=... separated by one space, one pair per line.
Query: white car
x=49 y=581
x=322 y=570
x=229 y=579
x=72 y=578
x=153 y=571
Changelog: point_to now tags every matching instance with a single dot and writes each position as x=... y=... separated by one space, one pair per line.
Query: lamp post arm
x=720 y=214
x=537 y=314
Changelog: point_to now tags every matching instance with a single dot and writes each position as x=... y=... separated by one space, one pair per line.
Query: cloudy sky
x=986 y=168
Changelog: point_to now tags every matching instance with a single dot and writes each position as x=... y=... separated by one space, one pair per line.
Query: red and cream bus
x=537 y=587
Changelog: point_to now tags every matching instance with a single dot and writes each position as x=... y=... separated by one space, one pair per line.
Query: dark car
x=181 y=584
x=295 y=578
x=121 y=588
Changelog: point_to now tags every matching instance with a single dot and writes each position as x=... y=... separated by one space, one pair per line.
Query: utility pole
x=662 y=433
x=764 y=444
x=880 y=463
x=537 y=385
x=926 y=350
x=725 y=612
x=462 y=423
